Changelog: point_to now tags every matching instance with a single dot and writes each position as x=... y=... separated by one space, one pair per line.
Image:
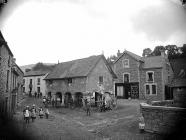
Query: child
x=41 y=112
x=47 y=113
x=27 y=115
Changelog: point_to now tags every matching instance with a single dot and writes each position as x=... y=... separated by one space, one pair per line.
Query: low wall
x=161 y=119
x=162 y=103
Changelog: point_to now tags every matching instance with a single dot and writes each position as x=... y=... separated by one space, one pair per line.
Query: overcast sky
x=52 y=30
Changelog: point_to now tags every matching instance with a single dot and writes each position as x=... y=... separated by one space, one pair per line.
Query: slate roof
x=35 y=73
x=153 y=62
x=179 y=69
x=135 y=56
x=76 y=68
x=178 y=65
x=147 y=62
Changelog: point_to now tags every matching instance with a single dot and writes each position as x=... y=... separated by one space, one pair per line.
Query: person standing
x=47 y=113
x=40 y=94
x=33 y=112
x=27 y=114
x=87 y=104
x=41 y=113
x=35 y=94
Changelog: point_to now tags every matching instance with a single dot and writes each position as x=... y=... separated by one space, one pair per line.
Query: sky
x=62 y=30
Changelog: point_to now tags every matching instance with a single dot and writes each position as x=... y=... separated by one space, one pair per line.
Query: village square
x=123 y=96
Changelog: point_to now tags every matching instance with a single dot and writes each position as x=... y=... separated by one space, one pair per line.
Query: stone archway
x=68 y=101
x=58 y=98
x=78 y=99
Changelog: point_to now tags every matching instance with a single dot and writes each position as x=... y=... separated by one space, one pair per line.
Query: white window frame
x=38 y=81
x=152 y=76
x=125 y=66
x=150 y=85
x=123 y=76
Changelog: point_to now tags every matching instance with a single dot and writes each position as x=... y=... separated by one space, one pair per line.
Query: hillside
x=30 y=66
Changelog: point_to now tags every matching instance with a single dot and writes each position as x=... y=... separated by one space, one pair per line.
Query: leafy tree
x=172 y=51
x=43 y=67
x=157 y=50
x=146 y=52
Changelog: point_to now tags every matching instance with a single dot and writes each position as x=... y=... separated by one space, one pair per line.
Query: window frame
x=147 y=76
x=150 y=87
x=38 y=81
x=124 y=76
x=100 y=82
x=123 y=61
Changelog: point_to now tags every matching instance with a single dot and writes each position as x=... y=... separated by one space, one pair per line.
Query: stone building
x=70 y=81
x=179 y=81
x=143 y=77
x=33 y=81
x=9 y=75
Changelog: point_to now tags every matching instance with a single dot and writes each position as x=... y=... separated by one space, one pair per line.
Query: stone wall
x=133 y=69
x=5 y=94
x=161 y=119
x=92 y=83
x=179 y=96
x=157 y=80
x=77 y=85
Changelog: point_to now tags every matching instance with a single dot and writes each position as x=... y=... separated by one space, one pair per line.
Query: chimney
x=163 y=53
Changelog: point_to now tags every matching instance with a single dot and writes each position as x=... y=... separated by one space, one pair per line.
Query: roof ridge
x=79 y=59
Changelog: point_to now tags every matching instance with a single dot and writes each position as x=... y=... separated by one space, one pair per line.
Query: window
x=126 y=77
x=70 y=81
x=38 y=90
x=30 y=81
x=151 y=89
x=7 y=80
x=100 y=80
x=38 y=81
x=149 y=76
x=126 y=63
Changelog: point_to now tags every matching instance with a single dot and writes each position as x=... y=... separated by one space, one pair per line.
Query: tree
x=42 y=67
x=172 y=51
x=157 y=50
x=146 y=52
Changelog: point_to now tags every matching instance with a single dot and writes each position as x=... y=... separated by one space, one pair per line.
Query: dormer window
x=149 y=76
x=126 y=63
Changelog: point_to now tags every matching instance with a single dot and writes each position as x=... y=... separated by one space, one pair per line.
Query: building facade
x=33 y=82
x=9 y=75
x=142 y=77
x=70 y=81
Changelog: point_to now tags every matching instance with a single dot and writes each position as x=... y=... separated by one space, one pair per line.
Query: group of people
x=32 y=113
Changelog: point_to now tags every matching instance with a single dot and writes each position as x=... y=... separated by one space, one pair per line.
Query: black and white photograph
x=92 y=69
